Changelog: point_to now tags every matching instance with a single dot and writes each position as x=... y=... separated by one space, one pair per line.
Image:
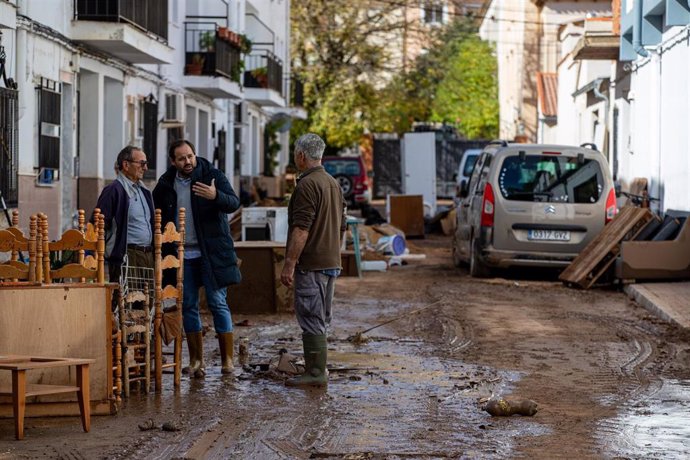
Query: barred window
x=49 y=112
x=9 y=146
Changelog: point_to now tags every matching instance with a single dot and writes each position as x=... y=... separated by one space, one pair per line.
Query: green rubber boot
x=315 y=357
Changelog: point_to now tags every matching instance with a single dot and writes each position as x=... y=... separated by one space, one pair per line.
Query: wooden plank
x=40 y=390
x=600 y=253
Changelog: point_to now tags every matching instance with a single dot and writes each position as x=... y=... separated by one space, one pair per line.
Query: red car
x=352 y=176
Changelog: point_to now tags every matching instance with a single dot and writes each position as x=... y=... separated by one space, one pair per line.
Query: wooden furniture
x=168 y=322
x=64 y=320
x=595 y=259
x=406 y=212
x=81 y=268
x=19 y=365
x=135 y=331
x=260 y=290
x=12 y=240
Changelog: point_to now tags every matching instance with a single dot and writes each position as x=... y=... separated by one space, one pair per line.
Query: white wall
x=658 y=117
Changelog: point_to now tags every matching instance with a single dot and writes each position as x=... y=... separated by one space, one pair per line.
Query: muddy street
x=610 y=380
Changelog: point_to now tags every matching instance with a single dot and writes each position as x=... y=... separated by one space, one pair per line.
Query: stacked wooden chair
x=168 y=322
x=14 y=242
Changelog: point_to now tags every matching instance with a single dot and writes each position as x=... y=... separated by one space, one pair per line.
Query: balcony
x=598 y=41
x=8 y=14
x=131 y=30
x=213 y=60
x=263 y=79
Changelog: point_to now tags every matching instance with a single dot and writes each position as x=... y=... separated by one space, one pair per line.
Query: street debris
x=171 y=426
x=359 y=338
x=148 y=425
x=502 y=407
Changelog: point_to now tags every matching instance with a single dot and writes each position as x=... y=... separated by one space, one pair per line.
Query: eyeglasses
x=142 y=163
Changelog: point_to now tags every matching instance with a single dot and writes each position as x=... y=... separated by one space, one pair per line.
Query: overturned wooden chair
x=14 y=242
x=168 y=320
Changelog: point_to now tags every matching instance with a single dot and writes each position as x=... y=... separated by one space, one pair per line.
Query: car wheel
x=345 y=183
x=478 y=269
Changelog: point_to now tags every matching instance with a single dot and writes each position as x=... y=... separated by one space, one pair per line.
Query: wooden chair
x=135 y=329
x=13 y=241
x=85 y=267
x=173 y=318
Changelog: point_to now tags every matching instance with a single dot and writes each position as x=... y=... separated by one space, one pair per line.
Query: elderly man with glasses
x=127 y=206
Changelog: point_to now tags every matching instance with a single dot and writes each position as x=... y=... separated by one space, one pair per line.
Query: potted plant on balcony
x=260 y=74
x=245 y=44
x=207 y=40
x=196 y=66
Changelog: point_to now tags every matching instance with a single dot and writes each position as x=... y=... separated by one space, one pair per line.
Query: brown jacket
x=317 y=205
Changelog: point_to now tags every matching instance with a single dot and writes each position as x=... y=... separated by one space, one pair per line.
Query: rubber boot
x=225 y=342
x=195 y=342
x=315 y=357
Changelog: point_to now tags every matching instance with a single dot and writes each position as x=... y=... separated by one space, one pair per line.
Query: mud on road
x=610 y=380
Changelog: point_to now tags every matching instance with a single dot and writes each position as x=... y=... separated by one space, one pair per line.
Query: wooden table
x=19 y=364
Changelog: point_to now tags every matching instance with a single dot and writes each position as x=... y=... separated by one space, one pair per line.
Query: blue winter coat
x=210 y=219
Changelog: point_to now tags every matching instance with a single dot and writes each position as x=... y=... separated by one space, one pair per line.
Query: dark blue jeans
x=196 y=274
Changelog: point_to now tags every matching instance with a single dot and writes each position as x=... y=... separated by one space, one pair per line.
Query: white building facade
x=94 y=76
x=655 y=108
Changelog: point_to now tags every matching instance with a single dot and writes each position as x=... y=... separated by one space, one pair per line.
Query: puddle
x=656 y=427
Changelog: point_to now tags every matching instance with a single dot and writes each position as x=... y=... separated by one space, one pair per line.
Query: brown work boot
x=225 y=342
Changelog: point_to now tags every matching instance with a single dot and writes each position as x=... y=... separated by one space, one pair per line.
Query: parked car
x=469 y=158
x=351 y=174
x=532 y=205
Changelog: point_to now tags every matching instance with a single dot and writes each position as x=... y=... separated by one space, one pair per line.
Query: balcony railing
x=150 y=16
x=264 y=70
x=212 y=50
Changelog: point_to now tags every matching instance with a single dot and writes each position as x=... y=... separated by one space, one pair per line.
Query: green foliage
x=467 y=97
x=342 y=50
x=207 y=40
x=272 y=146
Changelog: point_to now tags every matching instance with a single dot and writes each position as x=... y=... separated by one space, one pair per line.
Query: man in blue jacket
x=127 y=207
x=209 y=258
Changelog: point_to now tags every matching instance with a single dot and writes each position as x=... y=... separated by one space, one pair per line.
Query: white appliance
x=264 y=224
x=419 y=168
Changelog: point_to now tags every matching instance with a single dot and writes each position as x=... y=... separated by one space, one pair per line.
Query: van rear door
x=548 y=201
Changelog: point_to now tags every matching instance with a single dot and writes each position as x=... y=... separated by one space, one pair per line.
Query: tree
x=410 y=96
x=342 y=50
x=467 y=97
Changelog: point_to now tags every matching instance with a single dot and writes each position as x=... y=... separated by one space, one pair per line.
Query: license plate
x=548 y=235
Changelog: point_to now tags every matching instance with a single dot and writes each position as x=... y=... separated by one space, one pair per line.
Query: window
x=9 y=146
x=432 y=12
x=149 y=130
x=548 y=178
x=49 y=114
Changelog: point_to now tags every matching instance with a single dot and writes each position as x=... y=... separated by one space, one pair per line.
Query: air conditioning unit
x=174 y=108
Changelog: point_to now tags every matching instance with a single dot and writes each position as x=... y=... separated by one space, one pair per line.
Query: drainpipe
x=637 y=30
x=602 y=97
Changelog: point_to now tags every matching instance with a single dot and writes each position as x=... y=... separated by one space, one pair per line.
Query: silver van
x=532 y=205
